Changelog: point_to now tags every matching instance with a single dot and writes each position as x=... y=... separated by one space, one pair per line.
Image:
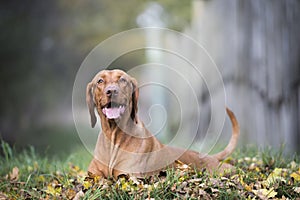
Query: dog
x=125 y=146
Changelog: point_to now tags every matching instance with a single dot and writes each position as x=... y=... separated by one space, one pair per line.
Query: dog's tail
x=234 y=137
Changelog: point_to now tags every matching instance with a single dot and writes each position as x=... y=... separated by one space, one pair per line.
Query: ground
x=261 y=174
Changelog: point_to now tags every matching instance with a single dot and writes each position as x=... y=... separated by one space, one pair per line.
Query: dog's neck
x=124 y=127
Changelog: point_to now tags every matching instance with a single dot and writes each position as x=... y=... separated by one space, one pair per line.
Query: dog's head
x=114 y=93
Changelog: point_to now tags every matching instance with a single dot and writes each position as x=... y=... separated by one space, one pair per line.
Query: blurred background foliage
x=43 y=44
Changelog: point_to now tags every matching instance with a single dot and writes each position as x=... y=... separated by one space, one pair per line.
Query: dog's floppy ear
x=90 y=103
x=135 y=96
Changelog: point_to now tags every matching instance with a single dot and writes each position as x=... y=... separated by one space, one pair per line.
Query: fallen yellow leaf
x=265 y=193
x=125 y=186
x=276 y=175
x=248 y=188
x=296 y=175
x=87 y=184
x=53 y=191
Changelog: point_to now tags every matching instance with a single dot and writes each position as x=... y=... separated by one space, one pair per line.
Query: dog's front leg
x=96 y=168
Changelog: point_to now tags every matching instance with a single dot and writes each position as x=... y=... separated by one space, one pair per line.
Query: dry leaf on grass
x=265 y=193
x=14 y=175
x=2 y=196
x=78 y=195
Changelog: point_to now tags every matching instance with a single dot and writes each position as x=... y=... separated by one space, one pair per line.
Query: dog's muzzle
x=113 y=110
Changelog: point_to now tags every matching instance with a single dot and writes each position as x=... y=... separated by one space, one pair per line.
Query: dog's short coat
x=125 y=146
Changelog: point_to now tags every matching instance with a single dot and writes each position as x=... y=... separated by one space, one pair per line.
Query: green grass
x=260 y=174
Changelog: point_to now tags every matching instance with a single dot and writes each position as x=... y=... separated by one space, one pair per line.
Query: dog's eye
x=122 y=80
x=100 y=80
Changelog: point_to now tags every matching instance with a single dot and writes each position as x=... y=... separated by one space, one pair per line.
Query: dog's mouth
x=113 y=110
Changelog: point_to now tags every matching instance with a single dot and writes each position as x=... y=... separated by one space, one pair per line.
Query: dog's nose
x=111 y=90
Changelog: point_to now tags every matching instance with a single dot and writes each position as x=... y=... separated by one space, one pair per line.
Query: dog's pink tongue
x=113 y=113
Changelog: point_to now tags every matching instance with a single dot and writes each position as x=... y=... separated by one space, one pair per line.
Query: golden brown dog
x=125 y=145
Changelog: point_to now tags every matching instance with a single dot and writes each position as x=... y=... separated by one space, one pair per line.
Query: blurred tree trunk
x=256 y=45
x=268 y=57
